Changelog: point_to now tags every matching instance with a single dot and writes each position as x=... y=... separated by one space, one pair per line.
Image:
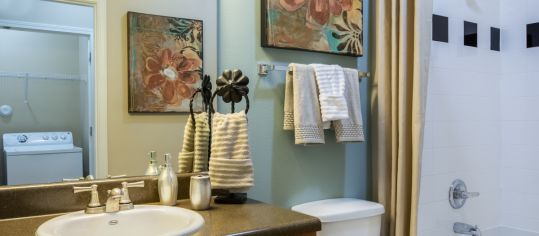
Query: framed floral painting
x=165 y=62
x=330 y=26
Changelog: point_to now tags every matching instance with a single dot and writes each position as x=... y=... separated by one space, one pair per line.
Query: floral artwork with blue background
x=165 y=62
x=331 y=26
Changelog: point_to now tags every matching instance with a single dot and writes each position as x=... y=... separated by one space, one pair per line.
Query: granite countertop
x=252 y=218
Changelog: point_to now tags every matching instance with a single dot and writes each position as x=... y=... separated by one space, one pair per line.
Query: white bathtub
x=505 y=231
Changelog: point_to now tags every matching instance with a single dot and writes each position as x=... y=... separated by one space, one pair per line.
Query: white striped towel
x=331 y=85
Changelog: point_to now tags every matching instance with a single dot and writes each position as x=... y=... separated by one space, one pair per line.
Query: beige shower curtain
x=402 y=47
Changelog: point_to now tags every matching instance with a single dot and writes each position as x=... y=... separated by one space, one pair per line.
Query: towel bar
x=264 y=69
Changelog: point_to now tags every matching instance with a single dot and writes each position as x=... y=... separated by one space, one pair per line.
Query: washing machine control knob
x=45 y=137
x=63 y=137
x=22 y=138
x=55 y=137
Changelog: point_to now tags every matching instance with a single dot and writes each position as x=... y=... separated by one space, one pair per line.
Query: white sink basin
x=144 y=220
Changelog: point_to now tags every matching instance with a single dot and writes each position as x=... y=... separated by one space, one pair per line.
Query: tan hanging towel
x=351 y=129
x=301 y=106
x=231 y=167
x=194 y=154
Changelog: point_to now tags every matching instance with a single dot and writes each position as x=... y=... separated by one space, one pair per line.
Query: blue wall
x=287 y=174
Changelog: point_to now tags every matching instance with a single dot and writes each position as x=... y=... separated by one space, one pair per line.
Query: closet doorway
x=47 y=77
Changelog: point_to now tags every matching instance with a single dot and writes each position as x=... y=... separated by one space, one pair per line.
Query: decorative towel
x=231 y=167
x=331 y=85
x=301 y=107
x=194 y=154
x=351 y=129
x=202 y=142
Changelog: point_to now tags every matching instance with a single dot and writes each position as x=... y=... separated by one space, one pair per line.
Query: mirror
x=46 y=81
x=49 y=94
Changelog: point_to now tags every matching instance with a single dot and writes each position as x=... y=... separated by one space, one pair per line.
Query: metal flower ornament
x=232 y=86
x=205 y=89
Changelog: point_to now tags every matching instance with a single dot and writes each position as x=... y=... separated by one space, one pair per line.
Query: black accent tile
x=494 y=39
x=470 y=34
x=532 y=36
x=440 y=28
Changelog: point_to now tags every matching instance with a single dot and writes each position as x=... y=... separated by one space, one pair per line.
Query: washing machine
x=45 y=157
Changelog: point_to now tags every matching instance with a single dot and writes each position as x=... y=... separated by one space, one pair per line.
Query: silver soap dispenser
x=152 y=169
x=167 y=184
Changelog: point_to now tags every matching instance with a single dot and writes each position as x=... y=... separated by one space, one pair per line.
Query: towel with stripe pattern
x=194 y=154
x=302 y=111
x=331 y=85
x=231 y=167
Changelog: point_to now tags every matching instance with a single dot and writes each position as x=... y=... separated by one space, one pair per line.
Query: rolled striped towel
x=231 y=167
x=202 y=142
x=194 y=154
x=187 y=154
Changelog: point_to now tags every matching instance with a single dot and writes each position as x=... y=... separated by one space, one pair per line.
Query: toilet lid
x=340 y=209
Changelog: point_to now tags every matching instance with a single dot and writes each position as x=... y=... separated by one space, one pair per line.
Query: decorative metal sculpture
x=205 y=91
x=232 y=87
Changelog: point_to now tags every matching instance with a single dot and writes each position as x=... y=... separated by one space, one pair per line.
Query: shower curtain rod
x=264 y=69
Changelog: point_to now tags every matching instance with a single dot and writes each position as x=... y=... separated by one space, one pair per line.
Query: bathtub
x=506 y=231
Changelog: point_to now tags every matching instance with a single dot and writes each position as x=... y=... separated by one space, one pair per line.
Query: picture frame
x=327 y=26
x=165 y=63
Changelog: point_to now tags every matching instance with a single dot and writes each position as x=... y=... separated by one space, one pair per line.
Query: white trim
x=100 y=63
x=100 y=78
x=45 y=27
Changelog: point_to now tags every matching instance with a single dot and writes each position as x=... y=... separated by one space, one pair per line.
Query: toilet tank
x=345 y=216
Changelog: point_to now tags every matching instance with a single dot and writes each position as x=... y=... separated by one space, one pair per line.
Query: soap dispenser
x=152 y=169
x=167 y=184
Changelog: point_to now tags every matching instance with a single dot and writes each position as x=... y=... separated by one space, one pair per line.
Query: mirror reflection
x=49 y=95
x=46 y=93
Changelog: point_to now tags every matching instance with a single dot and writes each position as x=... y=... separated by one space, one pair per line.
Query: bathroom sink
x=143 y=220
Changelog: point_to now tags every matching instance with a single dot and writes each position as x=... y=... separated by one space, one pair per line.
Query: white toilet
x=345 y=216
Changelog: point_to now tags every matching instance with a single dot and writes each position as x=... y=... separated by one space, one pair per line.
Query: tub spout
x=462 y=228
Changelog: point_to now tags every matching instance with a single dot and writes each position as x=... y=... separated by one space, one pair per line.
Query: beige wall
x=131 y=136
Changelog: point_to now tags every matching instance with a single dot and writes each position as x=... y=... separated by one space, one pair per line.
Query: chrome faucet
x=458 y=194
x=117 y=199
x=113 y=200
x=462 y=228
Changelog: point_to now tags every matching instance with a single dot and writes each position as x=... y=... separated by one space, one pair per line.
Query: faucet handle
x=125 y=196
x=94 y=206
x=139 y=184
x=116 y=176
x=469 y=194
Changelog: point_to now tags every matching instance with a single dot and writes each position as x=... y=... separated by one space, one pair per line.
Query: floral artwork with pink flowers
x=330 y=26
x=165 y=62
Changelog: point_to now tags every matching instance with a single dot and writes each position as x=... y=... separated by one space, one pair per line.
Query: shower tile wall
x=462 y=138
x=520 y=117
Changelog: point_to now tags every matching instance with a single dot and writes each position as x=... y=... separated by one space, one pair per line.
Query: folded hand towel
x=202 y=142
x=187 y=154
x=331 y=85
x=351 y=129
x=231 y=167
x=194 y=154
x=301 y=108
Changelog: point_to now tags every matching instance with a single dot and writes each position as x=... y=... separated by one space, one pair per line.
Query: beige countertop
x=252 y=218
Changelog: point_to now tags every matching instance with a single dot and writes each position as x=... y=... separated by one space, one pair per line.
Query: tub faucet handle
x=469 y=194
